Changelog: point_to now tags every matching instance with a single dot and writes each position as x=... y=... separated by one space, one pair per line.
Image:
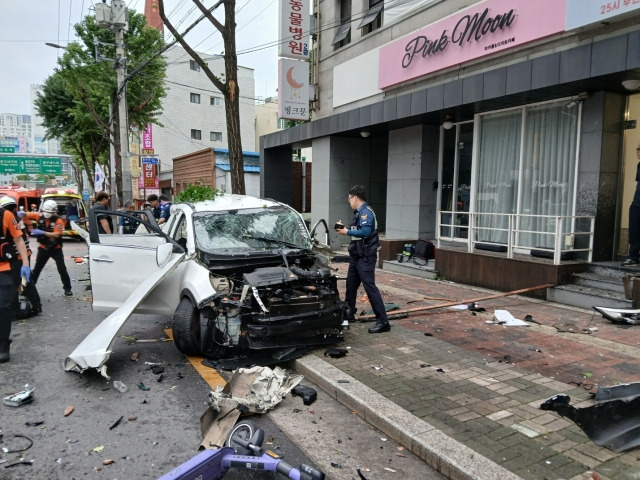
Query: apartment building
x=193 y=112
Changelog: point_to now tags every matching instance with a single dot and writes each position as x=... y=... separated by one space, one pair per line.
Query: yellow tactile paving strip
x=209 y=375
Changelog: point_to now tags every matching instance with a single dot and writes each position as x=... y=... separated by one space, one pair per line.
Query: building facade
x=267 y=120
x=193 y=112
x=38 y=132
x=498 y=123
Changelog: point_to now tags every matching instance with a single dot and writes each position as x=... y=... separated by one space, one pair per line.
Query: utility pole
x=115 y=17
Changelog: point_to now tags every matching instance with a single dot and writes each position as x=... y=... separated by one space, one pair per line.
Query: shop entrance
x=455 y=194
x=629 y=168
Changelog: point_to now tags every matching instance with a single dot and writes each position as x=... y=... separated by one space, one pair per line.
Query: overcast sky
x=25 y=26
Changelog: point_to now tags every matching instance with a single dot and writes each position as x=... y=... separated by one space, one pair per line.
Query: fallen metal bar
x=451 y=304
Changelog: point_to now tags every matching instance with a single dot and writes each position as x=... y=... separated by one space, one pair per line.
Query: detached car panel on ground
x=249 y=277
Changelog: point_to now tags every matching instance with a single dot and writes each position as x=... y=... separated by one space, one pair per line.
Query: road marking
x=209 y=374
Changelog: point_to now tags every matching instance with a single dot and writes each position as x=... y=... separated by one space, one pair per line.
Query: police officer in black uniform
x=363 y=251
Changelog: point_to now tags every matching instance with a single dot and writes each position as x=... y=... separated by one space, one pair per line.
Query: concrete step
x=587 y=297
x=612 y=269
x=601 y=282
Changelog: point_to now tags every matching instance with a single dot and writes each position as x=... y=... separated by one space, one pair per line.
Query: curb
x=449 y=457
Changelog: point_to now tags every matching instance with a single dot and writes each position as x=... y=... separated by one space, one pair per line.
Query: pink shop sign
x=483 y=29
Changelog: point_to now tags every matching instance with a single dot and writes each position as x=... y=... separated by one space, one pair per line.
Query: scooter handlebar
x=305 y=472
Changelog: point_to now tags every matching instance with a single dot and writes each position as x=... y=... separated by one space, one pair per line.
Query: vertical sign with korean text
x=293 y=29
x=293 y=89
x=147 y=138
x=149 y=178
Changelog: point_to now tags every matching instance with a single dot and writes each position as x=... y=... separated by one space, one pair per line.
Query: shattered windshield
x=256 y=229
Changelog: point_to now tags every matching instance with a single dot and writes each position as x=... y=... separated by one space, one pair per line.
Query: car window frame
x=150 y=223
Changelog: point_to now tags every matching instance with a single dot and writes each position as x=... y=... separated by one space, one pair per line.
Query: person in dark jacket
x=126 y=225
x=105 y=224
x=363 y=252
x=634 y=223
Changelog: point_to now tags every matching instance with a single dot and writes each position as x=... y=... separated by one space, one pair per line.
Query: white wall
x=180 y=116
x=251 y=182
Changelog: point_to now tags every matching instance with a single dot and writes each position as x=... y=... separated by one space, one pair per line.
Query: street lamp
x=54 y=45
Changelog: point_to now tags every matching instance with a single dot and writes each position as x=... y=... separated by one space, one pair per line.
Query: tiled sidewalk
x=482 y=384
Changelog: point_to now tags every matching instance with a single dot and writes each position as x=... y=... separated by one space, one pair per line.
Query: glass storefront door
x=455 y=194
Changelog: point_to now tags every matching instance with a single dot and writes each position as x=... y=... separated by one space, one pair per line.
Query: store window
x=372 y=19
x=343 y=34
x=527 y=166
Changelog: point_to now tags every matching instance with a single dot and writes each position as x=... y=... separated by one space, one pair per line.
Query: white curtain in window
x=548 y=179
x=498 y=177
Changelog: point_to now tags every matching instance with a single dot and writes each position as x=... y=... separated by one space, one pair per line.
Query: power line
x=246 y=24
x=69 y=28
x=59 y=6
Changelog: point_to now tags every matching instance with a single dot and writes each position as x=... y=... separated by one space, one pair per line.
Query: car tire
x=186 y=328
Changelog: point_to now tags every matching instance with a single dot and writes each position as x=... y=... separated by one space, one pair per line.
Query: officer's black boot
x=4 y=350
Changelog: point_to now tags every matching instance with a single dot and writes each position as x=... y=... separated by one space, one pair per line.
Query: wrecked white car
x=234 y=273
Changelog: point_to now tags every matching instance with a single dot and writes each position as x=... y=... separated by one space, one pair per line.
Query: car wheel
x=244 y=429
x=186 y=328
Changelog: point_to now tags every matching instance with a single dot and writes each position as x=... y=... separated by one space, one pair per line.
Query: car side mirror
x=163 y=253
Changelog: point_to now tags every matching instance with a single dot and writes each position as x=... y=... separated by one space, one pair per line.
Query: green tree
x=75 y=99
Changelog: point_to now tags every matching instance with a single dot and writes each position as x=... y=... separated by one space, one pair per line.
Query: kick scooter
x=243 y=449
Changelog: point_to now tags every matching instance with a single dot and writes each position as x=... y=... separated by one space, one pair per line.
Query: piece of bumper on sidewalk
x=380 y=328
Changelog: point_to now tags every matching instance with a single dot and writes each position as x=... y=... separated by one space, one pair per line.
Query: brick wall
x=297 y=186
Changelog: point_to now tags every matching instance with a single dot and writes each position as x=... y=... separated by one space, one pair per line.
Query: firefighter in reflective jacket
x=11 y=245
x=48 y=231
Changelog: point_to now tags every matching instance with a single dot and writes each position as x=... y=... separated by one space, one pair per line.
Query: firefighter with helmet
x=12 y=246
x=48 y=230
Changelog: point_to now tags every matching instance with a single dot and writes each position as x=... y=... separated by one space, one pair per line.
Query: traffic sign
x=85 y=194
x=150 y=160
x=19 y=164
x=147 y=151
x=7 y=149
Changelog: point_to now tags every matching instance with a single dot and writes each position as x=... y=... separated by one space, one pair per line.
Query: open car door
x=119 y=264
x=95 y=349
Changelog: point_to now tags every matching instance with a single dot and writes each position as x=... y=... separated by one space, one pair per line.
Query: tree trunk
x=232 y=98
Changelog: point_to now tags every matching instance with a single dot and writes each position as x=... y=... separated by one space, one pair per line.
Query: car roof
x=61 y=196
x=232 y=201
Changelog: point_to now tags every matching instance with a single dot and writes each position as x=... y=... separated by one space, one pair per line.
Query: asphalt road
x=159 y=427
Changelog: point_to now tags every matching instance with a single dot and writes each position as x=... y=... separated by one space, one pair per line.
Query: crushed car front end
x=272 y=289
